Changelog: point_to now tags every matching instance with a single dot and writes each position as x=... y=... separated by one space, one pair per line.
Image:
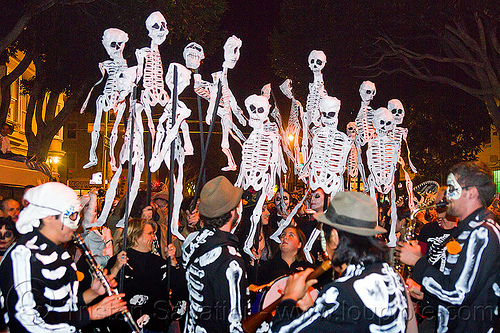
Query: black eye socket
x=368 y=92
x=197 y=49
x=155 y=26
x=394 y=111
x=260 y=110
x=252 y=107
x=312 y=61
x=389 y=123
x=235 y=50
x=382 y=122
x=113 y=44
x=319 y=62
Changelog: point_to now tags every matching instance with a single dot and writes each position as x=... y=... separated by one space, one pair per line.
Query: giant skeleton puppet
x=114 y=42
x=150 y=68
x=382 y=155
x=365 y=129
x=328 y=157
x=228 y=104
x=352 y=160
x=294 y=127
x=316 y=61
x=400 y=134
x=262 y=160
x=168 y=131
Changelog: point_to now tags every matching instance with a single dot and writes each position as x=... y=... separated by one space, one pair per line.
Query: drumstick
x=252 y=323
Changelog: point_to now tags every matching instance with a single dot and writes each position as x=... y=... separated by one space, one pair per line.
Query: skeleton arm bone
x=103 y=72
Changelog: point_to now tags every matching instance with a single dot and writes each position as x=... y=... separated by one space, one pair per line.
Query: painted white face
x=231 y=52
x=193 y=55
x=454 y=190
x=258 y=110
x=286 y=88
x=70 y=217
x=114 y=41
x=183 y=77
x=367 y=91
x=383 y=121
x=329 y=108
x=397 y=110
x=316 y=61
x=157 y=27
x=352 y=130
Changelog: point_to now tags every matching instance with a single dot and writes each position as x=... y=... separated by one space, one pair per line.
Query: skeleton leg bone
x=114 y=135
x=254 y=220
x=95 y=134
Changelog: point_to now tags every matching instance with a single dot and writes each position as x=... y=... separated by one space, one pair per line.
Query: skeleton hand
x=197 y=80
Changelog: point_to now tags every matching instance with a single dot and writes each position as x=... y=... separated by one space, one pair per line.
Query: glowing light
x=291 y=137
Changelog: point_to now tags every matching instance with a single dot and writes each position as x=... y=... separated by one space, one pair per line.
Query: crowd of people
x=205 y=283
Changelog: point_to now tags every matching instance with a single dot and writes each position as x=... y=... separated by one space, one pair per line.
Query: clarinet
x=97 y=270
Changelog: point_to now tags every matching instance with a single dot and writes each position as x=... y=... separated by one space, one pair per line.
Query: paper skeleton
x=382 y=156
x=327 y=161
x=193 y=54
x=316 y=61
x=400 y=134
x=151 y=69
x=262 y=159
x=228 y=104
x=365 y=129
x=114 y=42
x=168 y=131
x=352 y=161
x=296 y=113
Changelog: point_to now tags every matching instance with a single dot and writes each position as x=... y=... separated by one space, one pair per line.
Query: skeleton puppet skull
x=157 y=27
x=114 y=42
x=183 y=77
x=329 y=108
x=352 y=129
x=231 y=52
x=383 y=121
x=367 y=91
x=193 y=54
x=258 y=110
x=286 y=88
x=316 y=60
x=397 y=110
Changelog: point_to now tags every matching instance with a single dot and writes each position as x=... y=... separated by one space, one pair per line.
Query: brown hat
x=161 y=195
x=353 y=212
x=218 y=197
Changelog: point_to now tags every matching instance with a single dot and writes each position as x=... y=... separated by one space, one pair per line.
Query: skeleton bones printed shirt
x=363 y=299
x=39 y=287
x=217 y=282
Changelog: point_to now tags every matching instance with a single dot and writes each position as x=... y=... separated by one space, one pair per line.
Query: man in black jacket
x=215 y=270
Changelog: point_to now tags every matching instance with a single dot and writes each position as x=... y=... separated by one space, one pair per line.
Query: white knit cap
x=46 y=200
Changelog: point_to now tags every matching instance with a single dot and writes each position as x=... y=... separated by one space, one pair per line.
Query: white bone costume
x=262 y=159
x=329 y=150
x=316 y=61
x=382 y=155
x=227 y=105
x=365 y=130
x=151 y=69
x=168 y=131
x=113 y=41
x=294 y=128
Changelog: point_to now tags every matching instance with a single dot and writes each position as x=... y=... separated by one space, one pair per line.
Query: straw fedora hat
x=218 y=197
x=353 y=212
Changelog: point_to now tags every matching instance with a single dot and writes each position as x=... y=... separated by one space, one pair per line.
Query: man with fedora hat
x=39 y=285
x=215 y=270
x=369 y=295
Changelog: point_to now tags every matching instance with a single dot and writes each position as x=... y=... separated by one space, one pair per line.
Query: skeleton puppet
x=400 y=134
x=262 y=159
x=151 y=68
x=293 y=128
x=317 y=61
x=365 y=130
x=382 y=155
x=352 y=161
x=114 y=42
x=228 y=104
x=165 y=136
x=193 y=54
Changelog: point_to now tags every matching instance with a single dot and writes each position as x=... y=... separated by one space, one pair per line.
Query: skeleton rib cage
x=256 y=160
x=382 y=157
x=109 y=98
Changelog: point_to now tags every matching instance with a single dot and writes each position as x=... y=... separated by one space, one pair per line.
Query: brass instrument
x=97 y=270
x=253 y=322
x=408 y=234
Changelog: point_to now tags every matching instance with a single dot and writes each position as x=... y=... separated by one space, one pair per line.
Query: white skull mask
x=114 y=42
x=367 y=91
x=157 y=27
x=352 y=130
x=397 y=110
x=231 y=52
x=316 y=61
x=383 y=121
x=258 y=110
x=329 y=108
x=286 y=88
x=193 y=54
x=183 y=77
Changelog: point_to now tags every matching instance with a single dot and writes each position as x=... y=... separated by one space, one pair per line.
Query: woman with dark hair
x=8 y=234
